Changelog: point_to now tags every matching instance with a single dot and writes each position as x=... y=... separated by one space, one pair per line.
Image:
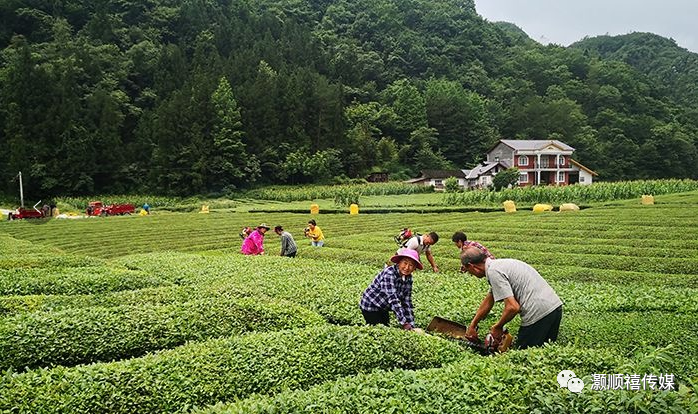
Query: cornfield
x=573 y=193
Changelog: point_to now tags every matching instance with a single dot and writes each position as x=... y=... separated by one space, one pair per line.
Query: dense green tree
x=229 y=158
x=114 y=96
x=422 y=153
x=461 y=120
x=409 y=106
x=505 y=179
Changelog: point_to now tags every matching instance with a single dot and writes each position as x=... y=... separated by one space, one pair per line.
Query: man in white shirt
x=422 y=244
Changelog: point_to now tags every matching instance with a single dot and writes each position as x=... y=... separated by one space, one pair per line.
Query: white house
x=437 y=178
x=481 y=176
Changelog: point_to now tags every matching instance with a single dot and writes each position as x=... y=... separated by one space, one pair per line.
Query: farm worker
x=390 y=290
x=422 y=244
x=146 y=208
x=523 y=291
x=288 y=245
x=315 y=233
x=461 y=241
x=254 y=243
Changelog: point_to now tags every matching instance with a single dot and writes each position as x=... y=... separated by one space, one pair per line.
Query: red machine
x=25 y=213
x=96 y=208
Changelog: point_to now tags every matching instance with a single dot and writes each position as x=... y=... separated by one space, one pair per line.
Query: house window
x=560 y=177
x=437 y=182
x=523 y=159
x=523 y=178
x=560 y=160
x=581 y=178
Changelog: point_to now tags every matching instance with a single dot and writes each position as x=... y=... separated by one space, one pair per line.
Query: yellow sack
x=509 y=206
x=314 y=209
x=647 y=199
x=354 y=209
x=204 y=209
x=539 y=208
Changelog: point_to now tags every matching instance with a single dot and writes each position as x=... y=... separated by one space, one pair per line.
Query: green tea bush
x=47 y=261
x=517 y=382
x=156 y=296
x=103 y=334
x=71 y=281
x=198 y=374
x=629 y=332
x=626 y=275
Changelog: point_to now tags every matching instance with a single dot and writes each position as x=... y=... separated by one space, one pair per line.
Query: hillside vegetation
x=205 y=96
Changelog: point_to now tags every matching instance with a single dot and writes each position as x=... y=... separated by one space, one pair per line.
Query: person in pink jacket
x=254 y=243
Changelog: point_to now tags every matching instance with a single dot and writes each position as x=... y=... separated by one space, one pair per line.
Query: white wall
x=585 y=178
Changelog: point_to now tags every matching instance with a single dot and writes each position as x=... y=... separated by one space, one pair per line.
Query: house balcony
x=533 y=168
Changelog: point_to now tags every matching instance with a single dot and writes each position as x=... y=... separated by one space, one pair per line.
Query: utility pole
x=21 y=191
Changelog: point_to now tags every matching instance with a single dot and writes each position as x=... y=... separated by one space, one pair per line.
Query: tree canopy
x=205 y=96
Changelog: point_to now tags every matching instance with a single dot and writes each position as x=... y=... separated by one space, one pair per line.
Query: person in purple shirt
x=254 y=243
x=390 y=290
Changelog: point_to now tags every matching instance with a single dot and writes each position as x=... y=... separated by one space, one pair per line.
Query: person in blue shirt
x=391 y=290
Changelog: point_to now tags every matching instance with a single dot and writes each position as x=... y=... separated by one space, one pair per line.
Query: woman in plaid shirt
x=392 y=290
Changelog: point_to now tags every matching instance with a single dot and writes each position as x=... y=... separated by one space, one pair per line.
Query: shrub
x=451 y=185
x=219 y=370
x=79 y=280
x=523 y=382
x=101 y=334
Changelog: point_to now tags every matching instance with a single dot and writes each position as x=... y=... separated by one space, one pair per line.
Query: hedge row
x=630 y=332
x=517 y=382
x=49 y=261
x=103 y=334
x=81 y=280
x=332 y=289
x=607 y=277
x=157 y=296
x=592 y=297
x=655 y=260
x=203 y=373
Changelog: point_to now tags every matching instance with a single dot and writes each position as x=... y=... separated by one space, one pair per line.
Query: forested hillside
x=662 y=59
x=205 y=96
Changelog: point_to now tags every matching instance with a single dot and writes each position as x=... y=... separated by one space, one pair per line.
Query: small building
x=481 y=176
x=436 y=178
x=377 y=177
x=581 y=174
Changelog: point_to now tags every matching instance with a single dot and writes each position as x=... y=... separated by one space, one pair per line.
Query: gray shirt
x=288 y=245
x=511 y=277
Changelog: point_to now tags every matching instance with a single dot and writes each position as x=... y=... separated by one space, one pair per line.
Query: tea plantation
x=163 y=314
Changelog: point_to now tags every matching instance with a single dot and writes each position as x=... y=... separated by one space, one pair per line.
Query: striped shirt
x=469 y=243
x=390 y=290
